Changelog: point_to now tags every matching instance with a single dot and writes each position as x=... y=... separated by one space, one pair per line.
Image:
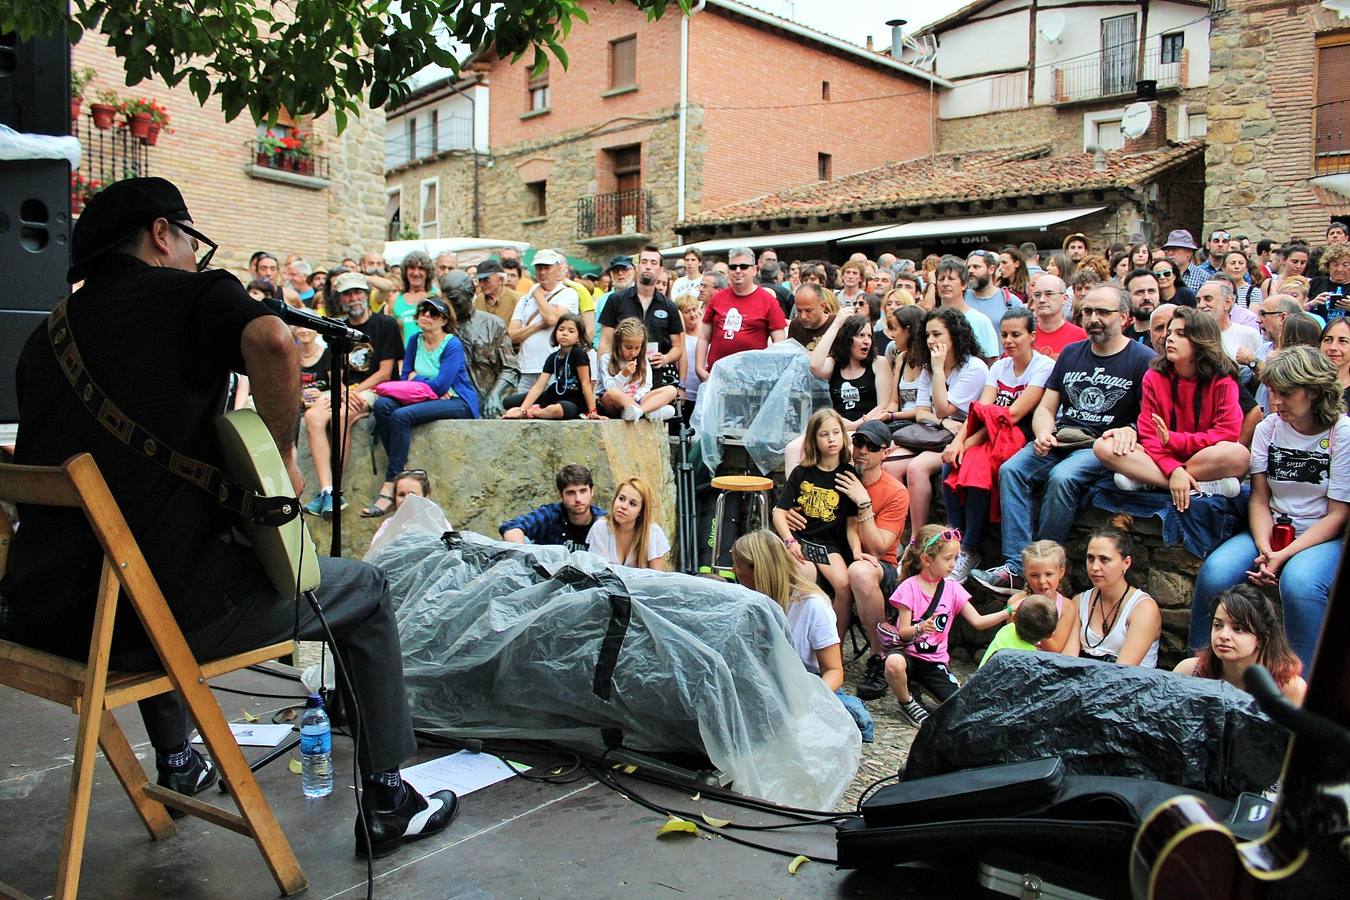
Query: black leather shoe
x=413 y=818
x=194 y=779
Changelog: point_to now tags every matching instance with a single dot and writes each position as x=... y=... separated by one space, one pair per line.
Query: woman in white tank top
x=1117 y=622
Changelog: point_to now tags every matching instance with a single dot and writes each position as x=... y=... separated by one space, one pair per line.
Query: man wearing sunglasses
x=744 y=316
x=159 y=337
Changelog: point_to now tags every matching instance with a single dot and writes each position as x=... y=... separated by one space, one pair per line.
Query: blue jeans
x=1305 y=586
x=1066 y=476
x=394 y=425
x=859 y=713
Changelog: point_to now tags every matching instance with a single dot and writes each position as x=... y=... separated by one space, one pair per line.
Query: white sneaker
x=1227 y=487
x=965 y=564
x=1125 y=483
x=661 y=414
x=632 y=413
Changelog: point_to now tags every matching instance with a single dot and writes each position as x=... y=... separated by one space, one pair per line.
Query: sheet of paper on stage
x=256 y=734
x=461 y=772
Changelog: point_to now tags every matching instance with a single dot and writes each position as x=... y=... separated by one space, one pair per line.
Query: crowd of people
x=1013 y=385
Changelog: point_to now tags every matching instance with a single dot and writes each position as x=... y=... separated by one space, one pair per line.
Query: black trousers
x=355 y=600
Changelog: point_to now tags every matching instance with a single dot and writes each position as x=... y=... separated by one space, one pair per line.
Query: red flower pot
x=75 y=104
x=139 y=124
x=306 y=166
x=76 y=204
x=152 y=134
x=103 y=114
x=264 y=158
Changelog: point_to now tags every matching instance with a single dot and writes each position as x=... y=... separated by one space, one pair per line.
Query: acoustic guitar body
x=251 y=457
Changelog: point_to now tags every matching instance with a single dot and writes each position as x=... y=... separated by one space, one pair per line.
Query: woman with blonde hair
x=629 y=535
x=762 y=563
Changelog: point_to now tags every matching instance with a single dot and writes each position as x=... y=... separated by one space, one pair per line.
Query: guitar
x=1182 y=852
x=251 y=457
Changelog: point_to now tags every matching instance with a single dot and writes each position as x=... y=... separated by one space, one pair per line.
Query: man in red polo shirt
x=1053 y=332
x=744 y=316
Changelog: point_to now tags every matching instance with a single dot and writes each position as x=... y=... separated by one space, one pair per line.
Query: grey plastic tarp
x=510 y=641
x=762 y=398
x=1103 y=719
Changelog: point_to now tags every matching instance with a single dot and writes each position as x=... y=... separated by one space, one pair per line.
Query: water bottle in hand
x=316 y=750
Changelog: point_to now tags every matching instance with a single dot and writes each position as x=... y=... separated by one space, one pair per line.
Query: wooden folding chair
x=91 y=691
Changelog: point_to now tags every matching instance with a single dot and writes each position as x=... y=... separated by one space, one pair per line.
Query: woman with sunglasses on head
x=1171 y=289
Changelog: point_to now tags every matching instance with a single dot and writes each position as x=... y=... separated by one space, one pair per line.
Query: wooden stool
x=755 y=485
x=92 y=692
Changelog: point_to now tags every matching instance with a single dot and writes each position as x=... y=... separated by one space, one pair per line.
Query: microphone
x=329 y=328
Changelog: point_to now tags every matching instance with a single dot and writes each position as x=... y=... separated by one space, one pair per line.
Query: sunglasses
x=197 y=240
x=406 y=473
x=737 y=267
x=1164 y=273
x=951 y=534
x=863 y=443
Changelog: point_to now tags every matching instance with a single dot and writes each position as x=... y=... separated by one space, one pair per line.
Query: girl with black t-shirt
x=565 y=387
x=315 y=362
x=828 y=541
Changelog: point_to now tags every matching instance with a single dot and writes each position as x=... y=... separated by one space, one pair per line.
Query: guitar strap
x=233 y=496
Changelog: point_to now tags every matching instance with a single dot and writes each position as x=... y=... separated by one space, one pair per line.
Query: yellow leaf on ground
x=696 y=796
x=248 y=716
x=676 y=825
x=295 y=766
x=797 y=863
x=716 y=823
x=629 y=770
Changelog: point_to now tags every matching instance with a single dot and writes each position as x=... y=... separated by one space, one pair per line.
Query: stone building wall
x=1261 y=94
x=207 y=158
x=454 y=172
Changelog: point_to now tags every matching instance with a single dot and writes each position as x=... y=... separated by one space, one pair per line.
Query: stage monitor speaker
x=34 y=198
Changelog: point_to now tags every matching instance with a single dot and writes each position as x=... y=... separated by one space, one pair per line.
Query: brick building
x=1278 y=161
x=589 y=158
x=957 y=202
x=243 y=206
x=1063 y=71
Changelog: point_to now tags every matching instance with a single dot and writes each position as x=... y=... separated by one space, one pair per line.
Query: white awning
x=796 y=239
x=974 y=225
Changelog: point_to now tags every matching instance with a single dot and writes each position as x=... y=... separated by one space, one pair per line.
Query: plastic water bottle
x=316 y=750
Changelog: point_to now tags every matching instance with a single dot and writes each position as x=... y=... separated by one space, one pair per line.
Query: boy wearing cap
x=159 y=335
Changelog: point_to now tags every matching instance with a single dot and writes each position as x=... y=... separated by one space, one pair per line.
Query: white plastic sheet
x=16 y=145
x=762 y=398
x=511 y=641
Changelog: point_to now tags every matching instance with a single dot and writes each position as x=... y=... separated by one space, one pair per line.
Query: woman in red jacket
x=1189 y=418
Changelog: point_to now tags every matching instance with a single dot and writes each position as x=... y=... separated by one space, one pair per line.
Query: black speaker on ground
x=34 y=198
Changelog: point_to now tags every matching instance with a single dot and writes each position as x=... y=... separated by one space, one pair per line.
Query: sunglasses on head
x=951 y=534
x=410 y=473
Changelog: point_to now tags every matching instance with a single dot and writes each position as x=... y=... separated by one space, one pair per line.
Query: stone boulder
x=485 y=471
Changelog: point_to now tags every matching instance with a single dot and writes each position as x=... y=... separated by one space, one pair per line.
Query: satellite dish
x=1135 y=121
x=1052 y=26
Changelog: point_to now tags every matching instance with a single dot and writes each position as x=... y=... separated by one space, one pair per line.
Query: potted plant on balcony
x=159 y=122
x=269 y=150
x=105 y=109
x=137 y=115
x=81 y=189
x=79 y=80
x=305 y=143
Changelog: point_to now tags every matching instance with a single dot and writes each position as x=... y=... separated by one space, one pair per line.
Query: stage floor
x=511 y=839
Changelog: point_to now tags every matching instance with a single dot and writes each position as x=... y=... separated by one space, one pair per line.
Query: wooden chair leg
x=86 y=741
x=253 y=806
x=131 y=774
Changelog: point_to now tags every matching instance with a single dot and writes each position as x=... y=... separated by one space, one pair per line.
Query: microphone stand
x=339 y=348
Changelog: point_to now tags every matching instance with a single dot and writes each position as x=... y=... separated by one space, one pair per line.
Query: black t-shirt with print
x=853 y=398
x=811 y=490
x=574 y=535
x=566 y=382
x=1098 y=393
x=316 y=376
x=384 y=341
x=662 y=318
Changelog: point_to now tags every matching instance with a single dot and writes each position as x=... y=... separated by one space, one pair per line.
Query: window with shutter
x=1331 y=143
x=623 y=62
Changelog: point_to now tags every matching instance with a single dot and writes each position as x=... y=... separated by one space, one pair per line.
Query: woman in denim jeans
x=1300 y=475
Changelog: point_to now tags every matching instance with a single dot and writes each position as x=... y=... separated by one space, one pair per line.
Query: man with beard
x=368 y=364
x=982 y=294
x=1093 y=394
x=567 y=522
x=811 y=319
x=1077 y=247
x=659 y=316
x=1142 y=286
x=1210 y=264
x=487 y=349
x=951 y=277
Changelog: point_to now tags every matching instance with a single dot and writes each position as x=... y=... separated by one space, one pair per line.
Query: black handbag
x=920 y=436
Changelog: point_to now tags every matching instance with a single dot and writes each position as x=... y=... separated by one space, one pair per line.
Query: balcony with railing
x=1331 y=138
x=305 y=169
x=427 y=140
x=109 y=152
x=1113 y=73
x=620 y=215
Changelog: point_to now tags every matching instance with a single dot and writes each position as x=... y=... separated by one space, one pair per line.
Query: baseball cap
x=116 y=213
x=619 y=262
x=1180 y=238
x=488 y=267
x=547 y=257
x=876 y=432
x=350 y=281
x=437 y=304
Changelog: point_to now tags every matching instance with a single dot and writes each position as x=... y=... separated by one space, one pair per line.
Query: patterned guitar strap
x=233 y=496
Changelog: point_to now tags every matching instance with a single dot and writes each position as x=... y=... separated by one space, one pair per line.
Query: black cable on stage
x=867 y=791
x=216 y=687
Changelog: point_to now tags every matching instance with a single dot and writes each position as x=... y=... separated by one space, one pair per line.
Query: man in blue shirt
x=567 y=522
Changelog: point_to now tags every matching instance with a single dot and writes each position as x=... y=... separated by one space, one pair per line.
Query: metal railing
x=618 y=213
x=450 y=133
x=1112 y=73
x=109 y=154
x=315 y=164
x=1331 y=138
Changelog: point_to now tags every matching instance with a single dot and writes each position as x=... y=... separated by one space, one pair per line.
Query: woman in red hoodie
x=1189 y=418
